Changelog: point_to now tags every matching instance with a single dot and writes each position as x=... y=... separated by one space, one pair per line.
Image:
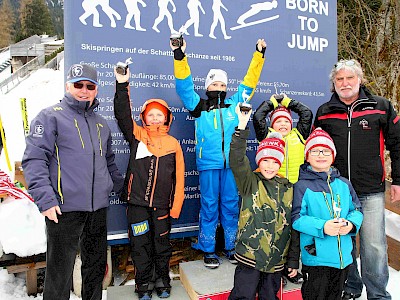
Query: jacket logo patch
x=230 y=117
x=365 y=125
x=38 y=131
x=57 y=108
x=367 y=108
x=140 y=228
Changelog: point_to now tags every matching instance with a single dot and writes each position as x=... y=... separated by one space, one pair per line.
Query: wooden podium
x=215 y=284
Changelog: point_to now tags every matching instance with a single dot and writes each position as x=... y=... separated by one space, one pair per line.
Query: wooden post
x=30 y=270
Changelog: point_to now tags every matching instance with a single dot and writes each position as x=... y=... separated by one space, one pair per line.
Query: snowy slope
x=41 y=89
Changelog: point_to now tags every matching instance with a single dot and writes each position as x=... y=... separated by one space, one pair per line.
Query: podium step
x=202 y=283
x=128 y=292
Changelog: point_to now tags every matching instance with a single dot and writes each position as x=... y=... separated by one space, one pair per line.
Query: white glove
x=122 y=78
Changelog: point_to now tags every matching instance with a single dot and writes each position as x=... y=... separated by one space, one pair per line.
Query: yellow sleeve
x=254 y=71
x=181 y=68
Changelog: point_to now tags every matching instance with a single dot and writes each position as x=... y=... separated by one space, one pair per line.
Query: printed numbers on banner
x=228 y=58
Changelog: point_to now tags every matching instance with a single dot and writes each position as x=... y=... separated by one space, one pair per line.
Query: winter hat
x=80 y=72
x=273 y=146
x=319 y=138
x=155 y=104
x=216 y=75
x=280 y=112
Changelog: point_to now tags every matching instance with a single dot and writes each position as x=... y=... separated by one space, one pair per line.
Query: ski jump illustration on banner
x=165 y=10
x=255 y=9
x=218 y=17
x=133 y=12
x=194 y=6
x=89 y=6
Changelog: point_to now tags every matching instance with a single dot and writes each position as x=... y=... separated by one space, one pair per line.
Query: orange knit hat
x=157 y=105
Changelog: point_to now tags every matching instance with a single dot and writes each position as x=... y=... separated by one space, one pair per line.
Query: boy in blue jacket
x=327 y=213
x=215 y=122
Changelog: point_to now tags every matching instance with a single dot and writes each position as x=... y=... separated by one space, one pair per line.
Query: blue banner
x=301 y=38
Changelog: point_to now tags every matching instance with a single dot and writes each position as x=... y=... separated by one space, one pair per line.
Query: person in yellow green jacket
x=215 y=122
x=280 y=120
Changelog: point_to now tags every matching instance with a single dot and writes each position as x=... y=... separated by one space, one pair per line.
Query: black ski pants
x=248 y=282
x=149 y=231
x=84 y=231
x=323 y=283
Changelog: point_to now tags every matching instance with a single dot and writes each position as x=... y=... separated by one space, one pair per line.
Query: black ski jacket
x=360 y=132
x=260 y=118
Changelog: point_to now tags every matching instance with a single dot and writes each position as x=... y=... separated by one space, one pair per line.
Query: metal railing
x=20 y=74
x=54 y=63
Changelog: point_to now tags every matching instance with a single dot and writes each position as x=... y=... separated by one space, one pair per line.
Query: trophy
x=122 y=67
x=176 y=39
x=245 y=106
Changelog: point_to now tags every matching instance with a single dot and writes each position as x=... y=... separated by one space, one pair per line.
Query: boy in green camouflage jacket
x=265 y=241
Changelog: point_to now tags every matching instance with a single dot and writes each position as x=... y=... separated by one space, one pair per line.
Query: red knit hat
x=319 y=138
x=273 y=146
x=280 y=112
x=157 y=105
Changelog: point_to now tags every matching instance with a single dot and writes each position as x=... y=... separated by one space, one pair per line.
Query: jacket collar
x=364 y=96
x=156 y=130
x=80 y=106
x=306 y=173
x=281 y=180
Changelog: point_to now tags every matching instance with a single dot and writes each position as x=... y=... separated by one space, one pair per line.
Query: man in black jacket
x=361 y=125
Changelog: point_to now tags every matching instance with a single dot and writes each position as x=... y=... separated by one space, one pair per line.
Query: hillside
x=56 y=8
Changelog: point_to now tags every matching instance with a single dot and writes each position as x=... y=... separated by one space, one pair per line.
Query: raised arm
x=247 y=87
x=239 y=162
x=305 y=115
x=183 y=78
x=260 y=117
x=122 y=106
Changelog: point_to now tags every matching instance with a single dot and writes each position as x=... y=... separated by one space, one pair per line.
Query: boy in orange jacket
x=154 y=188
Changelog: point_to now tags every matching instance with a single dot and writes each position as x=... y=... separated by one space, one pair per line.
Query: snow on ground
x=14 y=288
x=41 y=89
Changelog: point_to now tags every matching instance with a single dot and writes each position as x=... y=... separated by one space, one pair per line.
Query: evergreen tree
x=6 y=23
x=35 y=19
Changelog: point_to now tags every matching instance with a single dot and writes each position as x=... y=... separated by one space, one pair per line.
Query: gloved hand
x=285 y=101
x=122 y=78
x=261 y=46
x=274 y=101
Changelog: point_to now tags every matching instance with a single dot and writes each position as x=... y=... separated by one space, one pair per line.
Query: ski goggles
x=342 y=63
x=79 y=85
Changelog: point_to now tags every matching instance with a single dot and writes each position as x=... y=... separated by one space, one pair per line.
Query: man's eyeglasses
x=348 y=63
x=316 y=152
x=79 y=85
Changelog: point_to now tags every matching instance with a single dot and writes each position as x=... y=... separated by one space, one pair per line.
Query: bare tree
x=369 y=32
x=6 y=24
